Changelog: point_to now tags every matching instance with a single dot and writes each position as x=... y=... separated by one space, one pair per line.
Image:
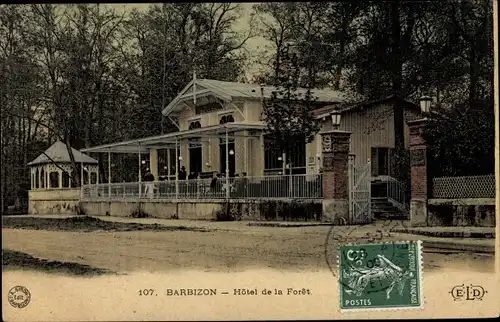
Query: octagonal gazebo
x=52 y=169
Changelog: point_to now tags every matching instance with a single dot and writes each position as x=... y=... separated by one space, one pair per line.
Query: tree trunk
x=398 y=107
x=340 y=63
x=473 y=77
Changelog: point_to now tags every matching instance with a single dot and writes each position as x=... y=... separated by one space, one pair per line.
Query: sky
x=253 y=45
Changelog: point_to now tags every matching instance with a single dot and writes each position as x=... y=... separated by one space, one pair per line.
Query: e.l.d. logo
x=468 y=293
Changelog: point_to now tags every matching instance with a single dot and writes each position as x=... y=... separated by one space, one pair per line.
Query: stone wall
x=461 y=212
x=53 y=201
x=207 y=210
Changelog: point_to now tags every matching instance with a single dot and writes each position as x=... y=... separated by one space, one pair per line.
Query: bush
x=294 y=210
x=229 y=212
x=139 y=213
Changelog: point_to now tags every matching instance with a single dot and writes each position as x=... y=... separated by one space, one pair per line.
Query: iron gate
x=359 y=193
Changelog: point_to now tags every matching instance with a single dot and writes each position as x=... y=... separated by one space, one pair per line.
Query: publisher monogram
x=469 y=293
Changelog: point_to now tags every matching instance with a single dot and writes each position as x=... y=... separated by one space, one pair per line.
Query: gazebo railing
x=307 y=186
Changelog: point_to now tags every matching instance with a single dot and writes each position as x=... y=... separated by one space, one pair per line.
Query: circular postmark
x=19 y=297
x=343 y=260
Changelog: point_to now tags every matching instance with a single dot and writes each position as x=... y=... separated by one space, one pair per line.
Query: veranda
x=228 y=185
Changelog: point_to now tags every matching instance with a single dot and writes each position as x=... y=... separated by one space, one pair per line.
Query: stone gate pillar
x=335 y=149
x=420 y=179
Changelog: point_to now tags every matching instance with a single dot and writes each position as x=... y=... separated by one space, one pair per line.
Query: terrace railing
x=396 y=191
x=266 y=187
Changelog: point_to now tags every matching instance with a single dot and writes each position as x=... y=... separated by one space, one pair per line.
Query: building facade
x=221 y=126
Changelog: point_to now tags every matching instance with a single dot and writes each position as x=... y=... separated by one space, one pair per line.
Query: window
x=42 y=179
x=54 y=179
x=37 y=179
x=194 y=125
x=380 y=161
x=231 y=158
x=93 y=178
x=299 y=155
x=195 y=156
x=226 y=119
x=65 y=179
x=272 y=157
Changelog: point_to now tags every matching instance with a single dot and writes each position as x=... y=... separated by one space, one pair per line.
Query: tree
x=461 y=140
x=288 y=113
x=167 y=43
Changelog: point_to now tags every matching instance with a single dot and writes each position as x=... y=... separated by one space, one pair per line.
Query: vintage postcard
x=249 y=161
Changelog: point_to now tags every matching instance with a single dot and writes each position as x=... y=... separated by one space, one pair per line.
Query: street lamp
x=335 y=119
x=425 y=103
x=231 y=152
x=143 y=161
x=180 y=158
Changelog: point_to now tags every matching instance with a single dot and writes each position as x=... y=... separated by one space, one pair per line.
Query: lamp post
x=335 y=119
x=425 y=104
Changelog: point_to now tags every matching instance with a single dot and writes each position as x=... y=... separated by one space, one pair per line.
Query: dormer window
x=194 y=125
x=226 y=119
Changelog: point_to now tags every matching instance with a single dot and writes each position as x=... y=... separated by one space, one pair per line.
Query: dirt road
x=218 y=249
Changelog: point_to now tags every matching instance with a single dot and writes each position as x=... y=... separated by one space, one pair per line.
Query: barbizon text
x=192 y=292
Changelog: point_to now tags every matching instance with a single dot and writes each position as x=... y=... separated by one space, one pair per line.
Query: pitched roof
x=342 y=108
x=231 y=90
x=234 y=89
x=59 y=153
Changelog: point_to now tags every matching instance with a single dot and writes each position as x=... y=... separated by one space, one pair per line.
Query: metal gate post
x=350 y=174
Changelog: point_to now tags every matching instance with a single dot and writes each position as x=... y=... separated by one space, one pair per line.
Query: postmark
x=364 y=233
x=19 y=297
x=380 y=276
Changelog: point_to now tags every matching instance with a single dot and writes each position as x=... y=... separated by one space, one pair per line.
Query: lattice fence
x=464 y=187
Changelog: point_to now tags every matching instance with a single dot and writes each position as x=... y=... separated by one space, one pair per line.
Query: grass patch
x=85 y=224
x=13 y=260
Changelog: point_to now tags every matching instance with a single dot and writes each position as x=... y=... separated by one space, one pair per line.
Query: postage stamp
x=380 y=276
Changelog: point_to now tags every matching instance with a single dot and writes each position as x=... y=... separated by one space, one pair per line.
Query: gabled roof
x=343 y=108
x=59 y=153
x=228 y=91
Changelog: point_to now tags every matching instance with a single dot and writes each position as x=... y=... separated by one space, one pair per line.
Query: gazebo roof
x=59 y=153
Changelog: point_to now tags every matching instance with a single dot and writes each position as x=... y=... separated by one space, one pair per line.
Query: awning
x=170 y=140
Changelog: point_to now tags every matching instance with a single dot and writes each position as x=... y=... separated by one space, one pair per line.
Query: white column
x=176 y=169
x=283 y=163
x=70 y=171
x=47 y=175
x=246 y=151
x=81 y=180
x=168 y=164
x=59 y=178
x=109 y=173
x=140 y=174
x=227 y=165
x=40 y=177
